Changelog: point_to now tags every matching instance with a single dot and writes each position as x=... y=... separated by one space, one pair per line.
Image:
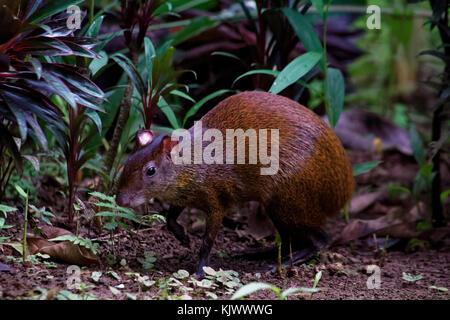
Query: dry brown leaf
x=65 y=250
x=361 y=202
x=395 y=224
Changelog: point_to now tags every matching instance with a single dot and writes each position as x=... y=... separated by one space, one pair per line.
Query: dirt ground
x=344 y=265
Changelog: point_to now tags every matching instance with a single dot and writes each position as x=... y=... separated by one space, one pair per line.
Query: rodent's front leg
x=213 y=224
x=176 y=228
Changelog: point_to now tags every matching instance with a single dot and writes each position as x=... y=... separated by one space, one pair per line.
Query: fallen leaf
x=395 y=224
x=357 y=129
x=361 y=202
x=64 y=251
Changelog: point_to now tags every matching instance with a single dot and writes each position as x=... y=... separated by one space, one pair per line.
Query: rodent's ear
x=167 y=144
x=144 y=137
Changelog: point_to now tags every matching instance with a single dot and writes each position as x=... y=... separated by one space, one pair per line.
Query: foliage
x=156 y=82
x=364 y=167
x=81 y=241
x=5 y=209
x=31 y=44
x=147 y=260
x=281 y=295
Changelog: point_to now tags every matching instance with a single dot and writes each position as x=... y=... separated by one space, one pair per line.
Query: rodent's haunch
x=314 y=178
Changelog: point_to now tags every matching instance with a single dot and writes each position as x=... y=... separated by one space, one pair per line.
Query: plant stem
x=124 y=113
x=325 y=71
x=24 y=244
x=91 y=12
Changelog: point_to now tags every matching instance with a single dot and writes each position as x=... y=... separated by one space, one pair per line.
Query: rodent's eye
x=150 y=171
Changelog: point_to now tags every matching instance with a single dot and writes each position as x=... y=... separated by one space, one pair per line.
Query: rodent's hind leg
x=305 y=243
x=213 y=224
x=176 y=228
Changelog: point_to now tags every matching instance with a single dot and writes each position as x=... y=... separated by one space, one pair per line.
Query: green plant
x=365 y=167
x=41 y=214
x=148 y=260
x=5 y=209
x=80 y=241
x=24 y=195
x=317 y=278
x=34 y=81
x=410 y=278
x=281 y=294
x=137 y=17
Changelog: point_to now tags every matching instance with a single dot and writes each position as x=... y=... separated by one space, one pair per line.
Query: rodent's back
x=314 y=174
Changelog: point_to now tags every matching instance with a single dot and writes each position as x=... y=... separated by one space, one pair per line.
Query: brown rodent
x=314 y=178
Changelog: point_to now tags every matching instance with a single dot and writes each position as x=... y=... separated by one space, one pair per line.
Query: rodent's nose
x=120 y=199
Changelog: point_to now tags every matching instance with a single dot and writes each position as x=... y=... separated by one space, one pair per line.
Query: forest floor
x=406 y=271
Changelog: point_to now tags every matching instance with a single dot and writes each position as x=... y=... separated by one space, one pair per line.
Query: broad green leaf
x=37 y=130
x=61 y=87
x=168 y=112
x=336 y=95
x=296 y=69
x=225 y=54
x=150 y=54
x=37 y=66
x=127 y=66
x=193 y=110
x=21 y=192
x=51 y=8
x=251 y=288
x=96 y=119
x=16 y=109
x=92 y=32
x=364 y=167
x=258 y=71
x=98 y=63
x=182 y=95
x=304 y=31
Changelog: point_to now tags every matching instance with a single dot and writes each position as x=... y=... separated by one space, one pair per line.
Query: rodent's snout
x=120 y=199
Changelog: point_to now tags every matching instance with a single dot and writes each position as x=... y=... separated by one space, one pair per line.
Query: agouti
x=314 y=179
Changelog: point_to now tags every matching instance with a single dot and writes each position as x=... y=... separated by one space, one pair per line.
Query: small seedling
x=317 y=278
x=83 y=242
x=256 y=286
x=24 y=195
x=442 y=289
x=147 y=261
x=410 y=278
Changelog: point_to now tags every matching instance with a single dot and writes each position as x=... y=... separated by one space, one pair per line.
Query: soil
x=344 y=265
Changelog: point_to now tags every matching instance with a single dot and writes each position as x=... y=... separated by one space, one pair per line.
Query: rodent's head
x=147 y=173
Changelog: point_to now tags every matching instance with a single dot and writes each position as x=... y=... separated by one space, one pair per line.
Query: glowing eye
x=151 y=171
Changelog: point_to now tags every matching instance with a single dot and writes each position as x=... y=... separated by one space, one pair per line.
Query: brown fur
x=314 y=180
